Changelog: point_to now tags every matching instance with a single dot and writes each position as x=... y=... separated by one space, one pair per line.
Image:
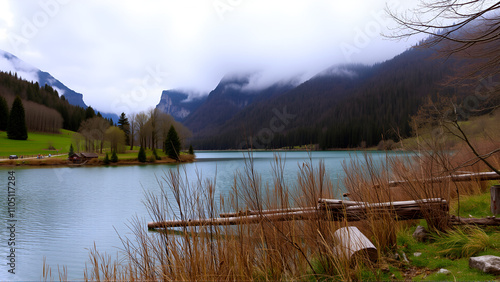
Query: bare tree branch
x=468 y=29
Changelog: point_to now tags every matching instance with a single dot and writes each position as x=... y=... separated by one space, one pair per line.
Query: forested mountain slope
x=229 y=97
x=345 y=106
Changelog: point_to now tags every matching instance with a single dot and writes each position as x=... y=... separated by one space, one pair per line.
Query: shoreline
x=58 y=162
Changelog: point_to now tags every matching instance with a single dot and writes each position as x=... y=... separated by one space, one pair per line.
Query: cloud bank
x=122 y=54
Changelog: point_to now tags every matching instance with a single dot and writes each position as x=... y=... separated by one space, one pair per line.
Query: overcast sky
x=121 y=54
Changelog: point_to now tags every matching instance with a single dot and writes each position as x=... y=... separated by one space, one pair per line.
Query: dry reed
x=267 y=250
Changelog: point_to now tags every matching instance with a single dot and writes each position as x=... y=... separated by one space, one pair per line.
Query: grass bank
x=37 y=143
x=58 y=146
x=62 y=161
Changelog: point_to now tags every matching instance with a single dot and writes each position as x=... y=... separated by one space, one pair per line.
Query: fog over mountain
x=11 y=63
x=122 y=54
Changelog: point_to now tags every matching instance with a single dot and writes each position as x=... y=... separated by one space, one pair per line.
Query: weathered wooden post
x=495 y=199
x=354 y=245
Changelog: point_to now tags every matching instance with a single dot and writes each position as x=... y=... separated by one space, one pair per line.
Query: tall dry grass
x=289 y=250
x=270 y=250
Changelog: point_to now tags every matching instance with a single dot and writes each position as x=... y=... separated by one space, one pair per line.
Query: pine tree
x=124 y=125
x=172 y=144
x=106 y=159
x=16 y=128
x=89 y=112
x=191 y=151
x=114 y=157
x=142 y=155
x=4 y=114
x=71 y=150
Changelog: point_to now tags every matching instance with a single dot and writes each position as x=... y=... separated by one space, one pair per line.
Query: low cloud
x=103 y=49
x=12 y=64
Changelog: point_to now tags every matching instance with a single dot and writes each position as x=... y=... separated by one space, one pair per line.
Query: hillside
x=344 y=106
x=14 y=65
x=229 y=97
x=43 y=102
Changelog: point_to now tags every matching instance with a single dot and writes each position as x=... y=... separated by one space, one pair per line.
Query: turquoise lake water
x=61 y=212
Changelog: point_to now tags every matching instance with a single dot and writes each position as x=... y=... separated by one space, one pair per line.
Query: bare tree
x=153 y=122
x=94 y=131
x=141 y=120
x=116 y=138
x=39 y=117
x=78 y=139
x=467 y=28
x=132 y=130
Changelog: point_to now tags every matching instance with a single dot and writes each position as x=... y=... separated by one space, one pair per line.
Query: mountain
x=11 y=63
x=232 y=94
x=344 y=106
x=178 y=105
x=73 y=97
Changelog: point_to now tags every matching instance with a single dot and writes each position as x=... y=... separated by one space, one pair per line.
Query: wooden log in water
x=480 y=176
x=322 y=204
x=265 y=212
x=334 y=210
x=250 y=219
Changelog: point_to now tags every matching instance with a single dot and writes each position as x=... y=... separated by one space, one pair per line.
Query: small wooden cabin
x=76 y=158
x=88 y=156
x=82 y=157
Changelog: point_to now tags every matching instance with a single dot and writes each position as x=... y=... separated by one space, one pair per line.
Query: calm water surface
x=62 y=212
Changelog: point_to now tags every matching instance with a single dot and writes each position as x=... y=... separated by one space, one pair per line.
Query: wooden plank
x=250 y=219
x=331 y=204
x=414 y=203
x=402 y=210
x=330 y=201
x=271 y=211
x=338 y=202
x=480 y=176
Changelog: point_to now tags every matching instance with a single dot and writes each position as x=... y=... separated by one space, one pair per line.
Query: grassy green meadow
x=37 y=143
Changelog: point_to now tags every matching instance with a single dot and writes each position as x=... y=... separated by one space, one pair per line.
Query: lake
x=61 y=212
